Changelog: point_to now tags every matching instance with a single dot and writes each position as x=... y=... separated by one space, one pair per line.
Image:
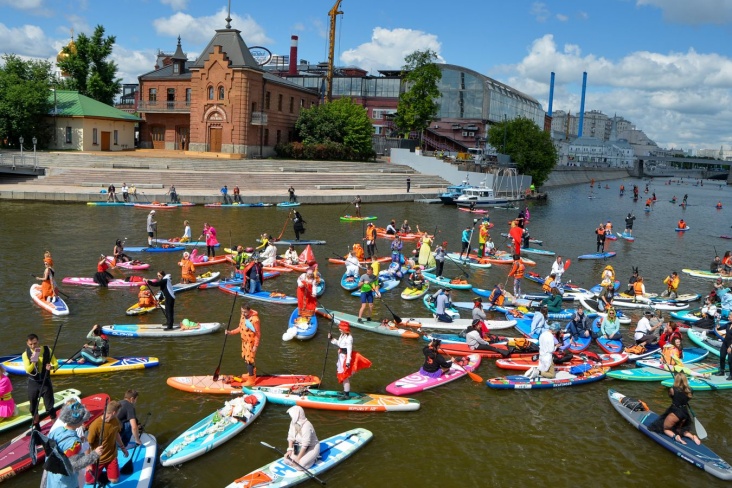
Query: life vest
x=518 y=270
x=458 y=281
x=638 y=288
x=357 y=251
x=499 y=300
x=681 y=224
x=547 y=286
x=371 y=233
x=671 y=354
x=608 y=228
x=672 y=284
x=600 y=231
x=145 y=298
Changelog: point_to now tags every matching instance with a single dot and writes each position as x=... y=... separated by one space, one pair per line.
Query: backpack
x=634 y=405
x=636 y=349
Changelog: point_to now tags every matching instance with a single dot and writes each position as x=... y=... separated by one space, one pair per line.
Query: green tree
x=529 y=147
x=417 y=106
x=24 y=101
x=90 y=73
x=340 y=122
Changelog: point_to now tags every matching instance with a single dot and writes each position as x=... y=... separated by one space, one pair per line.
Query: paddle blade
x=701 y=432
x=217 y=373
x=475 y=377
x=567 y=263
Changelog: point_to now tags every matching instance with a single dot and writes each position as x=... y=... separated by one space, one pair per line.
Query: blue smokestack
x=551 y=94
x=582 y=103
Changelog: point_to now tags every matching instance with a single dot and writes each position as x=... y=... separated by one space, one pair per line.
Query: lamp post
x=21 y=140
x=55 y=114
x=35 y=159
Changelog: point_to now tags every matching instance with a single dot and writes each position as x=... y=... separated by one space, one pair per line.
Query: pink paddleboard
x=111 y=284
x=416 y=382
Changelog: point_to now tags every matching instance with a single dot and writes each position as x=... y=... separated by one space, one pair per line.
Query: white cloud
x=388 y=48
x=131 y=64
x=200 y=30
x=691 y=12
x=27 y=40
x=23 y=4
x=539 y=11
x=78 y=23
x=679 y=99
x=176 y=5
x=562 y=18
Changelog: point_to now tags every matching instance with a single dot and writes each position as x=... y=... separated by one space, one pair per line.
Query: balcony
x=152 y=106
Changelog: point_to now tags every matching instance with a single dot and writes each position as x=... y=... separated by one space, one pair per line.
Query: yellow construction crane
x=331 y=50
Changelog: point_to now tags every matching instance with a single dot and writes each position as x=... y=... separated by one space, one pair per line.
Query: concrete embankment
x=572 y=175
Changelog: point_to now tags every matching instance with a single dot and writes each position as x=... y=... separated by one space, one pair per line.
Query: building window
x=153 y=95
x=68 y=135
x=266 y=137
x=279 y=102
x=221 y=93
x=171 y=98
x=254 y=106
x=279 y=136
x=302 y=102
x=292 y=105
x=94 y=137
x=116 y=137
x=267 y=97
x=188 y=97
x=176 y=68
x=210 y=93
x=290 y=136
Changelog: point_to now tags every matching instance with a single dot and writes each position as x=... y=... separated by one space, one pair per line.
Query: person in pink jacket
x=7 y=404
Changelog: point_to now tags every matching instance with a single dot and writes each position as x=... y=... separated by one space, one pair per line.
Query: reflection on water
x=474 y=435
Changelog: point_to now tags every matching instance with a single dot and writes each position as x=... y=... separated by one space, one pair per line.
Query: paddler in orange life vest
x=681 y=224
x=370 y=239
x=648 y=203
x=48 y=291
x=549 y=283
x=250 y=331
x=357 y=250
x=672 y=285
x=609 y=228
x=600 y=231
x=187 y=269
x=517 y=271
x=719 y=204
x=145 y=297
x=639 y=289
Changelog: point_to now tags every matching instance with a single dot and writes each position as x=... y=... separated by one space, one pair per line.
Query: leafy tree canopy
x=90 y=73
x=340 y=121
x=529 y=147
x=417 y=106
x=24 y=101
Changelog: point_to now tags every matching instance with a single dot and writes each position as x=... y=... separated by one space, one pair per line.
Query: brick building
x=222 y=102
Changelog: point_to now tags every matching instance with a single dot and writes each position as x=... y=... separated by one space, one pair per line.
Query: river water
x=464 y=434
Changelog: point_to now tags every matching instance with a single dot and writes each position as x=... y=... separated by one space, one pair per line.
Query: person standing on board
x=291 y=191
x=166 y=286
x=250 y=330
x=600 y=231
x=357 y=203
x=409 y=183
x=38 y=362
x=152 y=226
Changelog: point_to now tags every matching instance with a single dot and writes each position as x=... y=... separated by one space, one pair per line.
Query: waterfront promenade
x=79 y=177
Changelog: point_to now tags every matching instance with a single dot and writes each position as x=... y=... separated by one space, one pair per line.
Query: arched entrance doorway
x=215 y=127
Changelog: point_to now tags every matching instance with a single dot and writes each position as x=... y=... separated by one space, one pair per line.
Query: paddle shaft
x=55 y=286
x=223 y=348
x=305 y=470
x=128 y=467
x=101 y=441
x=327 y=344
x=397 y=318
x=473 y=376
x=52 y=352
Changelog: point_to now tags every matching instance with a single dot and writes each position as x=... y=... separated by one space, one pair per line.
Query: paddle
x=475 y=377
x=327 y=344
x=467 y=275
x=129 y=467
x=101 y=438
x=47 y=373
x=223 y=348
x=295 y=463
x=397 y=319
x=701 y=432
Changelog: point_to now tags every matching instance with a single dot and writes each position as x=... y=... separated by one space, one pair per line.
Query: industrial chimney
x=293 y=56
x=551 y=94
x=582 y=103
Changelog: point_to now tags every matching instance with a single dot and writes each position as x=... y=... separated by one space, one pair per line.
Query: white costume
x=558 y=270
x=352 y=265
x=270 y=255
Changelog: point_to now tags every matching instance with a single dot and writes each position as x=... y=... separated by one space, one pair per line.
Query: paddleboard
x=331 y=400
x=200 y=280
x=533 y=241
x=349 y=285
x=625 y=236
x=700 y=456
x=163 y=206
x=705 y=340
x=110 y=365
x=161 y=248
x=416 y=382
x=56 y=307
x=15 y=454
x=22 y=410
x=131 y=265
x=301 y=242
x=533 y=250
x=446 y=282
x=176 y=242
x=110 y=204
x=451 y=311
x=432 y=323
x=213 y=430
x=562 y=379
x=713 y=383
x=159 y=330
x=370 y=325
x=262 y=296
x=350 y=218
x=598 y=255
x=230 y=385
x=136 y=309
x=466 y=261
x=333 y=451
x=116 y=283
x=700 y=273
x=648 y=373
x=383 y=259
x=524 y=364
x=410 y=293
x=143 y=461
x=384 y=286
x=462 y=349
x=301 y=328
x=289 y=204
x=677 y=229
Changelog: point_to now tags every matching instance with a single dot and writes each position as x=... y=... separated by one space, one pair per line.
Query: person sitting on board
x=291 y=256
x=303 y=447
x=645 y=333
x=7 y=404
x=672 y=285
x=549 y=283
x=472 y=206
x=681 y=224
x=649 y=202
x=352 y=267
x=631 y=281
x=716 y=265
x=96 y=349
x=416 y=279
x=357 y=250
x=119 y=253
x=676 y=420
x=526 y=238
x=490 y=247
x=708 y=315
x=237 y=194
x=435 y=365
x=726 y=264
x=553 y=301
x=187 y=269
x=145 y=297
x=474 y=340
x=497 y=296
x=442 y=303
x=538 y=321
x=269 y=255
x=609 y=228
x=610 y=326
x=639 y=288
x=477 y=311
x=672 y=355
x=405 y=228
x=264 y=240
x=547 y=346
x=391 y=228
x=580 y=325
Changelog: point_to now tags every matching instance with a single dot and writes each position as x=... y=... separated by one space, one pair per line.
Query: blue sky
x=665 y=65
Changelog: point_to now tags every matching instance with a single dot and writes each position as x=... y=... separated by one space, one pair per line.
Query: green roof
x=70 y=103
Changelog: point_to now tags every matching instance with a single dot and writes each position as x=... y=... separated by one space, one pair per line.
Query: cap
x=478 y=300
x=555 y=326
x=345 y=327
x=648 y=312
x=152 y=211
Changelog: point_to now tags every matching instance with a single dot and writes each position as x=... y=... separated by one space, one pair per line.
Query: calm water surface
x=464 y=434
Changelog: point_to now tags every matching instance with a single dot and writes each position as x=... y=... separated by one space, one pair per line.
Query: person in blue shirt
x=225 y=195
x=465 y=238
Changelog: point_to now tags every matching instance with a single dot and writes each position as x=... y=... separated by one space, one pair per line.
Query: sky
x=664 y=65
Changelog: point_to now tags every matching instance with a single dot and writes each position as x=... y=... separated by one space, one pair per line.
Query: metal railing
x=180 y=106
x=14 y=160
